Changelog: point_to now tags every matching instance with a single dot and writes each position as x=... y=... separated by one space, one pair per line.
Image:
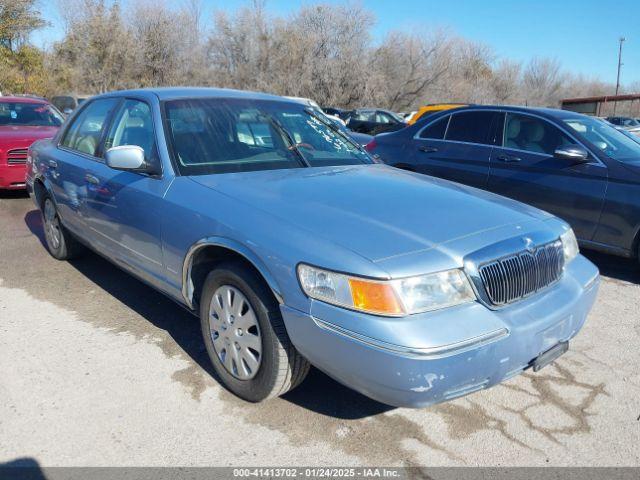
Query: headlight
x=569 y=245
x=387 y=297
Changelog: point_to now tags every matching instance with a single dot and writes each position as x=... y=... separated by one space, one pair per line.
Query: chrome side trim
x=135 y=252
x=187 y=283
x=425 y=353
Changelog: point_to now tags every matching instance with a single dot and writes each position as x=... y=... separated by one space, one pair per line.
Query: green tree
x=21 y=65
x=18 y=18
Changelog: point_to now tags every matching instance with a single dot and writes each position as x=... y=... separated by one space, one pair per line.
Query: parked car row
x=576 y=167
x=23 y=120
x=68 y=103
x=632 y=125
x=295 y=247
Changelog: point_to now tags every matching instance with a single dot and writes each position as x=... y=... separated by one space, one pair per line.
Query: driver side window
x=531 y=134
x=133 y=125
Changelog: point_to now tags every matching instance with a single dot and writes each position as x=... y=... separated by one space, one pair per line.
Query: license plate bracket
x=549 y=356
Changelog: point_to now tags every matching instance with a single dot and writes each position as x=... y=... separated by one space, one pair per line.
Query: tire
x=60 y=242
x=236 y=333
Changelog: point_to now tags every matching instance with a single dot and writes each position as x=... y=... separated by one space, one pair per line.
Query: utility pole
x=615 y=103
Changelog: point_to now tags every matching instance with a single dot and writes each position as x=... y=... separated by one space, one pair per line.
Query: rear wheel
x=60 y=242
x=245 y=335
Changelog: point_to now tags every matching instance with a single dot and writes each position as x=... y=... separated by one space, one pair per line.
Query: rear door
x=523 y=167
x=457 y=147
x=78 y=147
x=125 y=208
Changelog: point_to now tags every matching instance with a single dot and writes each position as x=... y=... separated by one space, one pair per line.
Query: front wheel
x=245 y=335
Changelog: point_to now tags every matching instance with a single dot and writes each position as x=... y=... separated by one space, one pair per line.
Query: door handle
x=508 y=158
x=427 y=149
x=92 y=179
x=52 y=164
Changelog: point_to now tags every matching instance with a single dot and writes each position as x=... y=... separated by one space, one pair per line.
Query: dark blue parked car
x=576 y=167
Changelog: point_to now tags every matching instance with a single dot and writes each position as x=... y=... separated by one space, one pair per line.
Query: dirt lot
x=98 y=369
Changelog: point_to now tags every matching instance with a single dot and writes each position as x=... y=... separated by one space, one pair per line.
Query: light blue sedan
x=295 y=248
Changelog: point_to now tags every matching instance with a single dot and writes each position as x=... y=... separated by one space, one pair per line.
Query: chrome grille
x=517 y=276
x=17 y=156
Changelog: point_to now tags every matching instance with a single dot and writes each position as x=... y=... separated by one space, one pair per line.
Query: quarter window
x=436 y=130
x=531 y=134
x=84 y=134
x=470 y=127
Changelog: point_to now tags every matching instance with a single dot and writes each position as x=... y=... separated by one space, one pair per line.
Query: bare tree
x=321 y=51
x=162 y=40
x=410 y=68
x=96 y=53
x=542 y=81
x=505 y=81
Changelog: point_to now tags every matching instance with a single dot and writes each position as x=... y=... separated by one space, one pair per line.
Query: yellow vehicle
x=432 y=108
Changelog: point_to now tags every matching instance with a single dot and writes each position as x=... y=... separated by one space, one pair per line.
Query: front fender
x=235 y=246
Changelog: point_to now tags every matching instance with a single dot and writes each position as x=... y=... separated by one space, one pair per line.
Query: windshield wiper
x=293 y=146
x=335 y=128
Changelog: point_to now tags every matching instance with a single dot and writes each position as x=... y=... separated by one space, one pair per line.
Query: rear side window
x=84 y=134
x=470 y=127
x=436 y=130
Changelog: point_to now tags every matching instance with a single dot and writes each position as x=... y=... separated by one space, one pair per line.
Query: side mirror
x=573 y=153
x=126 y=157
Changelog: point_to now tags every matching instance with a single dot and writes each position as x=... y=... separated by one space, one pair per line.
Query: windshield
x=29 y=114
x=629 y=122
x=603 y=136
x=213 y=135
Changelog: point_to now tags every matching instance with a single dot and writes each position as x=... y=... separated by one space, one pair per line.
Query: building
x=605 y=106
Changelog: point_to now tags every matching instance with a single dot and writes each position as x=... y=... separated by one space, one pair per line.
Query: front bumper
x=428 y=358
x=12 y=177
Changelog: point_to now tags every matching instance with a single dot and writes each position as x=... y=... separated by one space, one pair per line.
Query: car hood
x=16 y=136
x=375 y=211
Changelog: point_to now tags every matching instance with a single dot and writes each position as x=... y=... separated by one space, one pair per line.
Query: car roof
x=175 y=93
x=542 y=111
x=12 y=99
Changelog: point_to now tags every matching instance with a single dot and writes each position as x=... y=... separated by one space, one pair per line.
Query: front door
x=125 y=208
x=524 y=167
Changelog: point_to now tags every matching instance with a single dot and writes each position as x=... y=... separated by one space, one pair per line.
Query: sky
x=582 y=34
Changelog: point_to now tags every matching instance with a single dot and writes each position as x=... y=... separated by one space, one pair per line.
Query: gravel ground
x=97 y=369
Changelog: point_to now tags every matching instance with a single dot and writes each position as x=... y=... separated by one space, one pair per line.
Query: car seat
x=534 y=134
x=513 y=132
x=138 y=132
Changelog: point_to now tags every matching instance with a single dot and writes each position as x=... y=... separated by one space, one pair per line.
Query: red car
x=23 y=120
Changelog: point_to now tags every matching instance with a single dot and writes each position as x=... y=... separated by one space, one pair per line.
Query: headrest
x=534 y=132
x=513 y=128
